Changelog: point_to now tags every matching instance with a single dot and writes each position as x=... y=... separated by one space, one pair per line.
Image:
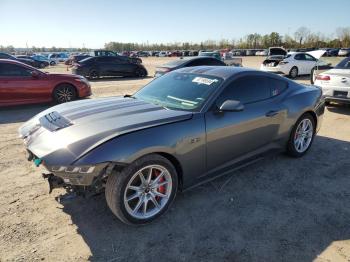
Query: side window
x=247 y=90
x=299 y=57
x=197 y=62
x=309 y=58
x=8 y=70
x=277 y=87
x=214 y=62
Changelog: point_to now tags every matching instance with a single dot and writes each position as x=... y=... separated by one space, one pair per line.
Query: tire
x=64 y=93
x=118 y=190
x=293 y=73
x=312 y=76
x=140 y=72
x=293 y=148
x=94 y=74
x=42 y=65
x=52 y=63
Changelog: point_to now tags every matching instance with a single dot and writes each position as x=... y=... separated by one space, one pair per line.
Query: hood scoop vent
x=54 y=121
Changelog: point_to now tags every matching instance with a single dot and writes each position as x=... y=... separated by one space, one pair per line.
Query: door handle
x=271 y=113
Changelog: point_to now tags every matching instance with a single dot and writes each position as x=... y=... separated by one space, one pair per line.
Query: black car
x=187 y=62
x=111 y=53
x=11 y=57
x=99 y=66
x=36 y=62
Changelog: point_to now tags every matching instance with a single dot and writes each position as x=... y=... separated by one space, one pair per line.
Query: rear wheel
x=142 y=191
x=41 y=65
x=302 y=136
x=293 y=73
x=64 y=93
x=52 y=63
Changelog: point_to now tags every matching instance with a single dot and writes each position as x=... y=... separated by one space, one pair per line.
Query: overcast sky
x=69 y=23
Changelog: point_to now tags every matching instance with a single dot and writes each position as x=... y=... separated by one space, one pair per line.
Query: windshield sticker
x=203 y=80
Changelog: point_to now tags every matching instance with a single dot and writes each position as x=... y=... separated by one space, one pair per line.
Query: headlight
x=73 y=169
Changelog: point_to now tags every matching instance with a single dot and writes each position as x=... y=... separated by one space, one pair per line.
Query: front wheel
x=141 y=72
x=142 y=191
x=64 y=93
x=302 y=136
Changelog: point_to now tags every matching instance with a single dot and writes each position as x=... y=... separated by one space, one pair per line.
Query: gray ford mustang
x=180 y=130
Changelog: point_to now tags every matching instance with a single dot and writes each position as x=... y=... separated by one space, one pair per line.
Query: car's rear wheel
x=302 y=136
x=313 y=76
x=293 y=73
x=140 y=72
x=52 y=63
x=94 y=74
x=64 y=93
x=142 y=191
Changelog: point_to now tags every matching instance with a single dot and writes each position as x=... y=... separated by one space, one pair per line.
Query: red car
x=23 y=84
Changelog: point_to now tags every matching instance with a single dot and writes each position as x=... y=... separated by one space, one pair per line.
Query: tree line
x=301 y=38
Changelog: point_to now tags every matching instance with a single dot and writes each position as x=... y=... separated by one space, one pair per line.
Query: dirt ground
x=279 y=209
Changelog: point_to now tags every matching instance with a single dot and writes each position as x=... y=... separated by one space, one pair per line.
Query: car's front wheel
x=302 y=136
x=64 y=93
x=142 y=191
x=141 y=72
x=94 y=75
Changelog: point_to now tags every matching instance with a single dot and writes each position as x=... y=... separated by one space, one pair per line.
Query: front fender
x=184 y=140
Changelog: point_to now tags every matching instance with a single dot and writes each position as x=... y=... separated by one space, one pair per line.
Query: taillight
x=323 y=77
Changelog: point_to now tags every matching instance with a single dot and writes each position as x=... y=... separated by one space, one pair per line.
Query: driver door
x=230 y=135
x=17 y=85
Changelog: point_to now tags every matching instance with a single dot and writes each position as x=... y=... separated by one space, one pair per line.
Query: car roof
x=10 y=61
x=224 y=72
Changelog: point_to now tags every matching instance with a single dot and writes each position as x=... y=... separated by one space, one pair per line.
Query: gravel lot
x=279 y=209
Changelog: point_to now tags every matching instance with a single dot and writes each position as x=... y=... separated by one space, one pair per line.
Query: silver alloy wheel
x=148 y=191
x=64 y=94
x=314 y=74
x=303 y=135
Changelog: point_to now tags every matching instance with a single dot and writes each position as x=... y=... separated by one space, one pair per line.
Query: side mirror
x=34 y=74
x=231 y=106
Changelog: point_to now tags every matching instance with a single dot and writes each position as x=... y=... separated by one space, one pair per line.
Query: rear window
x=174 y=63
x=344 y=64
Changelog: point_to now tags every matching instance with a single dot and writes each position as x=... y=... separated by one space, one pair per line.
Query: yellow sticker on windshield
x=203 y=80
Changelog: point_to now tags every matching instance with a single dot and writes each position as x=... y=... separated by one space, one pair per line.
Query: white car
x=163 y=54
x=56 y=58
x=335 y=83
x=292 y=64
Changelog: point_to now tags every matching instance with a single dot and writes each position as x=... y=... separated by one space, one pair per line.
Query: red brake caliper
x=160 y=189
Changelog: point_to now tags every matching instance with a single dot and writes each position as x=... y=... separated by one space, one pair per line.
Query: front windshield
x=180 y=91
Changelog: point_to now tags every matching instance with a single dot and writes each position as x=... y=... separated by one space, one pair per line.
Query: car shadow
x=343 y=109
x=22 y=113
x=279 y=209
x=121 y=78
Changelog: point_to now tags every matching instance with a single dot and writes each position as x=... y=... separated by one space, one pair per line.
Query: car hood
x=77 y=127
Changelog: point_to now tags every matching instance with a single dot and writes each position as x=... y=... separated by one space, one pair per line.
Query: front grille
x=54 y=121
